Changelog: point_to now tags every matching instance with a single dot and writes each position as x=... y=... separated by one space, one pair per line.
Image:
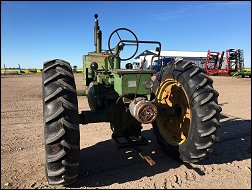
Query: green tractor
x=179 y=101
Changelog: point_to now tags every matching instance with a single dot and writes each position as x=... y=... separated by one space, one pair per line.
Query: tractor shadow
x=234 y=141
x=104 y=164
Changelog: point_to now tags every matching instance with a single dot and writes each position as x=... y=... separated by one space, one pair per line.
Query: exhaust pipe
x=97 y=35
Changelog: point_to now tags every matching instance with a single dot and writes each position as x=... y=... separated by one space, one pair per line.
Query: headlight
x=94 y=66
x=148 y=83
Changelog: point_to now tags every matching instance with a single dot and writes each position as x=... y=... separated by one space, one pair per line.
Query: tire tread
x=61 y=125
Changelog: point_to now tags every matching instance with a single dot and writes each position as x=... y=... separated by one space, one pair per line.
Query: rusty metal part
x=143 y=110
x=148 y=159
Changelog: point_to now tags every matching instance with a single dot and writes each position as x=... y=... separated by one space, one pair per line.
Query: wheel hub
x=173 y=128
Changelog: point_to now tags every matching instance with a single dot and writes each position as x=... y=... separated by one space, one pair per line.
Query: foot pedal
x=133 y=144
x=124 y=142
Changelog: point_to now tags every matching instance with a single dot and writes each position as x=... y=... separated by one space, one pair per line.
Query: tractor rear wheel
x=61 y=123
x=188 y=132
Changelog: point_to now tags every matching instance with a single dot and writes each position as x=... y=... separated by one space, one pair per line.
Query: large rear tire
x=61 y=123
x=188 y=133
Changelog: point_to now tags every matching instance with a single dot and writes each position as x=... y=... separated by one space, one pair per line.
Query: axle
x=141 y=109
x=86 y=117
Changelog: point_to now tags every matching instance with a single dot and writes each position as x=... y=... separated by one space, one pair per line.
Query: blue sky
x=35 y=32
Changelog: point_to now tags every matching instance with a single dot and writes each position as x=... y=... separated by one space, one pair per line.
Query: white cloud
x=189 y=9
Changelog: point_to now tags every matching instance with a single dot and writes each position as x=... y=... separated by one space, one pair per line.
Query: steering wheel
x=123 y=44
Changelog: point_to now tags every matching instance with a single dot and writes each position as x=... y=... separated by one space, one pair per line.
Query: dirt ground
x=102 y=165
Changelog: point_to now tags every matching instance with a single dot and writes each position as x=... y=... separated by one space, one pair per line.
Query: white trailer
x=195 y=56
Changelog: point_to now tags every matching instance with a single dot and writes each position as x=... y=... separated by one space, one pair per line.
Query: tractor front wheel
x=61 y=123
x=188 y=118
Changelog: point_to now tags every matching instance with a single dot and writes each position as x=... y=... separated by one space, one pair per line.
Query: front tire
x=190 y=132
x=61 y=123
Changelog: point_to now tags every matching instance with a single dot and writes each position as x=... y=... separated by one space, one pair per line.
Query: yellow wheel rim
x=173 y=128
